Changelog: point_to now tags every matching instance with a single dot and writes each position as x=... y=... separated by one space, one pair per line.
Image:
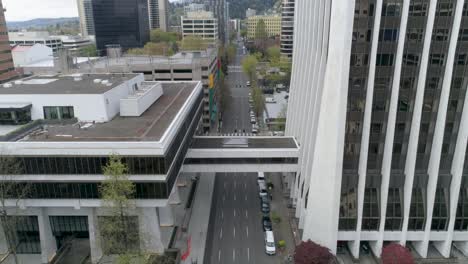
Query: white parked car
x=270 y=247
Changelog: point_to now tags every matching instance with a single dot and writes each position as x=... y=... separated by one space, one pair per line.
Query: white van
x=270 y=248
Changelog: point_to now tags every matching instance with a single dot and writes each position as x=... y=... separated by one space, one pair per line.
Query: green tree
x=243 y=33
x=119 y=229
x=11 y=191
x=258 y=99
x=273 y=54
x=249 y=66
x=157 y=36
x=224 y=94
x=89 y=51
x=231 y=52
x=194 y=43
x=261 y=36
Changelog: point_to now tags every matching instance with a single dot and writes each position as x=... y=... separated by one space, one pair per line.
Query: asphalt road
x=236 y=233
x=236 y=117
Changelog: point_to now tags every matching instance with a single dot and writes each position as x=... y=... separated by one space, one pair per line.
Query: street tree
x=249 y=66
x=258 y=99
x=224 y=93
x=396 y=254
x=119 y=228
x=194 y=43
x=309 y=252
x=273 y=54
x=261 y=36
x=11 y=190
x=158 y=36
x=89 y=51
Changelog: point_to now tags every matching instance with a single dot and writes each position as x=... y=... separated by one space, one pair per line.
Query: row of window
x=415 y=9
x=241 y=161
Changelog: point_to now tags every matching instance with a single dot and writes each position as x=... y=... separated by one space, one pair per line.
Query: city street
x=236 y=117
x=236 y=233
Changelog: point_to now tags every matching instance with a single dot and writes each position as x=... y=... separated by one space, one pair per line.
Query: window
x=411 y=59
x=461 y=59
x=376 y=128
x=348 y=210
x=461 y=220
x=26 y=240
x=384 y=59
x=58 y=112
x=418 y=9
x=440 y=34
x=440 y=213
x=388 y=35
x=437 y=59
x=394 y=215
x=417 y=217
x=415 y=34
x=371 y=213
x=391 y=9
x=444 y=9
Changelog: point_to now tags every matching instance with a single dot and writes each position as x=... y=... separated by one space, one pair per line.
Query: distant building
x=218 y=7
x=193 y=7
x=35 y=37
x=272 y=25
x=121 y=22
x=85 y=12
x=158 y=14
x=75 y=43
x=287 y=27
x=200 y=24
x=7 y=71
x=27 y=54
x=250 y=12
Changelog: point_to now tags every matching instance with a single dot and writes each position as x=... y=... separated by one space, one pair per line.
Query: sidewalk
x=198 y=227
x=279 y=203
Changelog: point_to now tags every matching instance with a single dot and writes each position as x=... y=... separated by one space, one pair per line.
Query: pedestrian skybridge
x=242 y=154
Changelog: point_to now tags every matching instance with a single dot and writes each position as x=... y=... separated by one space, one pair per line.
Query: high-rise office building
x=287 y=27
x=378 y=105
x=7 y=70
x=85 y=12
x=200 y=24
x=158 y=14
x=121 y=22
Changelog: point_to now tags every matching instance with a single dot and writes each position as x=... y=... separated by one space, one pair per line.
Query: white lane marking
x=248 y=254
x=234 y=212
x=233 y=255
x=245 y=185
x=234 y=231
x=246 y=214
x=219 y=255
x=221 y=234
x=247 y=230
x=246 y=197
x=234 y=197
x=222 y=215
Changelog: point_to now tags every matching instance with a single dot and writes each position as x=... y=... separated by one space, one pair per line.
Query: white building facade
x=24 y=55
x=63 y=190
x=378 y=106
x=35 y=37
x=201 y=24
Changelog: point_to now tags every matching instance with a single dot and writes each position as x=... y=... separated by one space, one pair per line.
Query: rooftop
x=65 y=84
x=150 y=126
x=240 y=142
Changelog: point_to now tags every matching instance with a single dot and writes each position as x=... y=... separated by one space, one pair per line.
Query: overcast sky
x=18 y=10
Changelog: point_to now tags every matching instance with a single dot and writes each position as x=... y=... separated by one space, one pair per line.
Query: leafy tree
x=10 y=190
x=231 y=52
x=258 y=99
x=261 y=36
x=309 y=252
x=89 y=51
x=238 y=9
x=224 y=93
x=274 y=54
x=157 y=36
x=396 y=254
x=119 y=229
x=194 y=43
x=249 y=66
x=154 y=49
x=243 y=33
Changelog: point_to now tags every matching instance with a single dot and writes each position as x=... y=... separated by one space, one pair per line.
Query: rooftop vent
x=19 y=82
x=105 y=82
x=97 y=80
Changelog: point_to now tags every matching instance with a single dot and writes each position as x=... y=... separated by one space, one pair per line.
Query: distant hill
x=41 y=23
x=237 y=8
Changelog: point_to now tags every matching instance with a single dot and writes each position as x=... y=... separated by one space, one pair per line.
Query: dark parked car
x=266 y=222
x=265 y=208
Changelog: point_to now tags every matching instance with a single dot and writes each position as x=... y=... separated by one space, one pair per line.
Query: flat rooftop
x=241 y=142
x=65 y=84
x=150 y=126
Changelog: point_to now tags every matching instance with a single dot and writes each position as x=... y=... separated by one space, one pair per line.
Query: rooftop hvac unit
x=105 y=82
x=97 y=80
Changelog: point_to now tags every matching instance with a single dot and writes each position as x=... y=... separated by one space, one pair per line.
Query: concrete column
x=174 y=198
x=150 y=233
x=48 y=243
x=166 y=215
x=94 y=237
